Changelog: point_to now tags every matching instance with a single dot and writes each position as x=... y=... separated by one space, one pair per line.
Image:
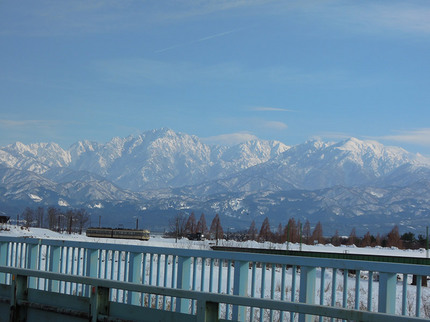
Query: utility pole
x=427 y=242
x=300 y=232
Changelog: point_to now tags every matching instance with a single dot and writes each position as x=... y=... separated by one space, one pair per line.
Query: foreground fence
x=84 y=280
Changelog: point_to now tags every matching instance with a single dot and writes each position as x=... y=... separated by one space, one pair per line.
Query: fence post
x=240 y=287
x=54 y=266
x=32 y=260
x=4 y=247
x=307 y=289
x=207 y=311
x=18 y=293
x=387 y=293
x=135 y=276
x=91 y=268
x=183 y=282
x=99 y=302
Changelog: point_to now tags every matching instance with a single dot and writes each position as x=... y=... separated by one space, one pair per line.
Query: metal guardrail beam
x=201 y=297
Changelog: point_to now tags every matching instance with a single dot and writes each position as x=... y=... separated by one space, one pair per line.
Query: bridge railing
x=327 y=285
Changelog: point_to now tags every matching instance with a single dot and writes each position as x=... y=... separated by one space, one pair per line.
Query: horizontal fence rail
x=238 y=286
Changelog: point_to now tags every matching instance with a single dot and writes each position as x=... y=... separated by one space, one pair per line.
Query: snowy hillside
x=158 y=173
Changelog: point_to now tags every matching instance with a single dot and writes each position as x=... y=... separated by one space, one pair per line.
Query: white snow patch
x=97 y=205
x=35 y=198
x=63 y=203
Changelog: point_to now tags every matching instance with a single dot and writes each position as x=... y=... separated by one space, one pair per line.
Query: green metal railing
x=244 y=286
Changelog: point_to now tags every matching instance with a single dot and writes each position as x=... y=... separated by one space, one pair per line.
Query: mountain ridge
x=161 y=171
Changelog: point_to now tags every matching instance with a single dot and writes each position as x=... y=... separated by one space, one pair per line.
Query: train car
x=118 y=233
x=131 y=234
x=99 y=232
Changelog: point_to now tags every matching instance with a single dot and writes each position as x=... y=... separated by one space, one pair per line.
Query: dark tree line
x=293 y=232
x=70 y=220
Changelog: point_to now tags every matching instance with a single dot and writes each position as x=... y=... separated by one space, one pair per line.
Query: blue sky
x=222 y=70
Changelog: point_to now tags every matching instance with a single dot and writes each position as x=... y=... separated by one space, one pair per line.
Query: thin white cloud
x=229 y=139
x=21 y=124
x=137 y=72
x=51 y=17
x=270 y=109
x=332 y=135
x=418 y=137
x=221 y=34
x=273 y=125
x=400 y=17
x=374 y=16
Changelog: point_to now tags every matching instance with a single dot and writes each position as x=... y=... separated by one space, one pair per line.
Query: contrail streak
x=221 y=34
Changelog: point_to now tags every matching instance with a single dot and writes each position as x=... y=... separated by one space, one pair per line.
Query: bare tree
x=52 y=217
x=40 y=211
x=216 y=228
x=82 y=218
x=335 y=239
x=28 y=215
x=177 y=225
x=378 y=241
x=279 y=234
x=191 y=226
x=201 y=225
x=393 y=238
x=367 y=240
x=352 y=239
x=252 y=232
x=265 y=232
x=317 y=234
x=307 y=231
x=291 y=233
x=70 y=219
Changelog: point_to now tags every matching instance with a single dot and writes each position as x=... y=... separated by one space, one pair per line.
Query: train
x=118 y=233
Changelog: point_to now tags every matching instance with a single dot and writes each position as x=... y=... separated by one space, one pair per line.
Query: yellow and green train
x=118 y=233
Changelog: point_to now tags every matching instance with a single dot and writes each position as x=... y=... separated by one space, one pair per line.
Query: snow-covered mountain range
x=166 y=172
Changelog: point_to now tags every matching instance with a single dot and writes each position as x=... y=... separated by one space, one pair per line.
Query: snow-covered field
x=157 y=240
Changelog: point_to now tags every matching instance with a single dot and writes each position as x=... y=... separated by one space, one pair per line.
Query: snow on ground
x=158 y=240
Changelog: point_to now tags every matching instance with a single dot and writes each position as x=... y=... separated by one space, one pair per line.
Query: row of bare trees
x=181 y=226
x=293 y=232
x=71 y=220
